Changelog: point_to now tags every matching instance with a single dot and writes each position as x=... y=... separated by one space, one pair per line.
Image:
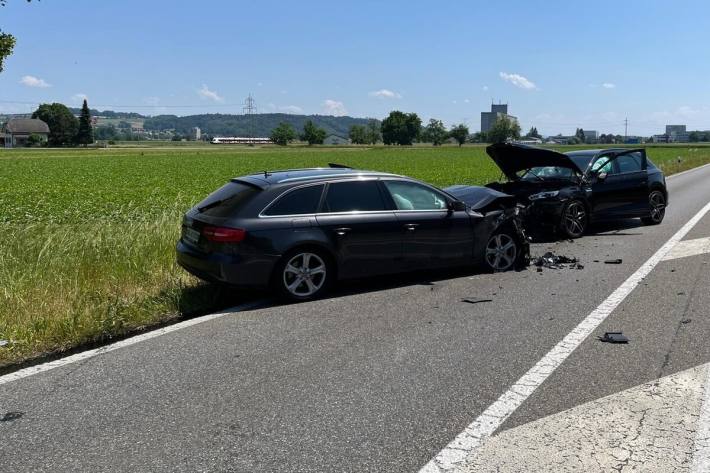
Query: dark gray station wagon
x=300 y=230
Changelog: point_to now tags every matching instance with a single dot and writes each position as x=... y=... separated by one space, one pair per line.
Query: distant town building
x=497 y=111
x=196 y=133
x=18 y=130
x=591 y=135
x=335 y=140
x=674 y=134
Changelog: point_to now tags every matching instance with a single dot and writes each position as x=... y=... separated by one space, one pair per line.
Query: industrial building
x=497 y=111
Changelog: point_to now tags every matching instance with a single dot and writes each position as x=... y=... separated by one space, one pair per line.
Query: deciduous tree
x=459 y=133
x=63 y=125
x=358 y=134
x=312 y=134
x=400 y=128
x=283 y=134
x=434 y=132
x=502 y=130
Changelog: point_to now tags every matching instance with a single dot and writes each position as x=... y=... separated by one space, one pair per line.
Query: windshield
x=546 y=173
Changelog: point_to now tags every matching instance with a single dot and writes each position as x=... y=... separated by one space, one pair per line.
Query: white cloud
x=485 y=88
x=518 y=81
x=206 y=93
x=466 y=101
x=79 y=97
x=32 y=81
x=385 y=94
x=608 y=85
x=334 y=107
x=291 y=109
x=152 y=100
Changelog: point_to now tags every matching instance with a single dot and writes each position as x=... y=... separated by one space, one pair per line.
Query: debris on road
x=613 y=261
x=10 y=416
x=614 y=337
x=552 y=261
x=3 y=343
x=686 y=321
x=475 y=301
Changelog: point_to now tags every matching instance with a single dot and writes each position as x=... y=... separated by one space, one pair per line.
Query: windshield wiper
x=529 y=171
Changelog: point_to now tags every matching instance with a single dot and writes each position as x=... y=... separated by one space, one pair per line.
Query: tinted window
x=227 y=200
x=352 y=196
x=300 y=201
x=629 y=162
x=411 y=196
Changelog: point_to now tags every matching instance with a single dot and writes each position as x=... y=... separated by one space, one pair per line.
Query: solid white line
x=701 y=449
x=50 y=365
x=473 y=436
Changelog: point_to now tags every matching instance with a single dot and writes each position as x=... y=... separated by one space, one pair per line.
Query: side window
x=300 y=201
x=629 y=162
x=353 y=196
x=603 y=164
x=412 y=196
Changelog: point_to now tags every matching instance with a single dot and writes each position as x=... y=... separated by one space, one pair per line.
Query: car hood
x=512 y=158
x=478 y=197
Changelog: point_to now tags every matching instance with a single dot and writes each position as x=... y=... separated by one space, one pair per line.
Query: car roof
x=285 y=176
x=592 y=152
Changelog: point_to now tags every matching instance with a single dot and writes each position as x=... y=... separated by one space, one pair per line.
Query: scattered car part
x=613 y=261
x=475 y=301
x=552 y=261
x=614 y=337
x=4 y=342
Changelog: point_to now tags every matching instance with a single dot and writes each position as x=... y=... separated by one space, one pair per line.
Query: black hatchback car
x=568 y=191
x=300 y=230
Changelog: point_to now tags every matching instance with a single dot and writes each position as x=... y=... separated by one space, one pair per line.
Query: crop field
x=87 y=236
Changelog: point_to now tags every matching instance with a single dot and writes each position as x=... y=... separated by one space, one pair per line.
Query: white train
x=239 y=140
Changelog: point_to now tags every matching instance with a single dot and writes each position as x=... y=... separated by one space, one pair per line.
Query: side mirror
x=457 y=206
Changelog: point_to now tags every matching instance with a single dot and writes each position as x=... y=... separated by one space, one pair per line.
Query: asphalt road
x=379 y=377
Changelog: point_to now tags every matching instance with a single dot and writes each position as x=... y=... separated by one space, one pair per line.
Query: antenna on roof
x=338 y=166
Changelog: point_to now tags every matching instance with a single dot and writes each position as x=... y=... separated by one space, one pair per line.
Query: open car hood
x=513 y=158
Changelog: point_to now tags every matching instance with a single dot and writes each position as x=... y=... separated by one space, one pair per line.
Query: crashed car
x=567 y=191
x=300 y=230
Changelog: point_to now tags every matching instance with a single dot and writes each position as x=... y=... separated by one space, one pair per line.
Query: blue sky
x=559 y=64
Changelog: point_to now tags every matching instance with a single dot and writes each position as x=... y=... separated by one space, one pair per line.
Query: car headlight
x=544 y=195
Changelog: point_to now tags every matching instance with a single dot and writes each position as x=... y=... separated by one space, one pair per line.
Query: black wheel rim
x=658 y=206
x=575 y=219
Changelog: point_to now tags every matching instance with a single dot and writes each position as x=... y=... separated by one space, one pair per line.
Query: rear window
x=353 y=196
x=300 y=201
x=227 y=200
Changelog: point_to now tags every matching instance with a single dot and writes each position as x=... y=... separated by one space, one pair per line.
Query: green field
x=88 y=235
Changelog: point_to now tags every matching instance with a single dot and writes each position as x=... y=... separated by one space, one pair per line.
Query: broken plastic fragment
x=476 y=301
x=613 y=261
x=614 y=337
x=553 y=261
x=3 y=343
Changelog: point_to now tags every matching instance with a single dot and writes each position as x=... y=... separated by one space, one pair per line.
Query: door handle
x=411 y=226
x=342 y=231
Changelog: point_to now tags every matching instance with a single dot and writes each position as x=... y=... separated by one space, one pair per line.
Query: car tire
x=303 y=274
x=657 y=204
x=574 y=219
x=501 y=252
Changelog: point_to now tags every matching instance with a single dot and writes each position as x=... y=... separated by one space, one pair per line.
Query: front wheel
x=574 y=219
x=303 y=275
x=657 y=204
x=501 y=252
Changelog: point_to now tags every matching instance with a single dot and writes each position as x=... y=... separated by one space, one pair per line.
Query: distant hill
x=107 y=113
x=218 y=124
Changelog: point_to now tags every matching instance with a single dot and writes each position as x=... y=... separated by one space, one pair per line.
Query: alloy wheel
x=304 y=274
x=575 y=219
x=658 y=206
x=501 y=252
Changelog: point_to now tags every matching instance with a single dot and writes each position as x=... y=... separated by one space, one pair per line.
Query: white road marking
x=686 y=248
x=50 y=365
x=473 y=436
x=701 y=450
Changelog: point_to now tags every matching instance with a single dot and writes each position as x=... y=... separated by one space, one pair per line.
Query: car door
x=434 y=235
x=362 y=227
x=620 y=184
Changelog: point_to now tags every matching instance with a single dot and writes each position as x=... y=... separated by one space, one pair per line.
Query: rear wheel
x=501 y=252
x=574 y=219
x=303 y=274
x=657 y=204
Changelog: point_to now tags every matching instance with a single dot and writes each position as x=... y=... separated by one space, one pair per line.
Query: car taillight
x=224 y=234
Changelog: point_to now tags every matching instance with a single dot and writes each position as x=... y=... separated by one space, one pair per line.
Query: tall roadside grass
x=62 y=285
